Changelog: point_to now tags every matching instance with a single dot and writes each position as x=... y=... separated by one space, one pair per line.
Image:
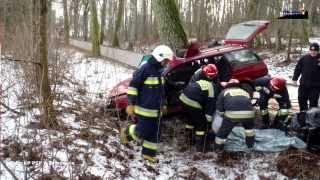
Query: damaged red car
x=234 y=59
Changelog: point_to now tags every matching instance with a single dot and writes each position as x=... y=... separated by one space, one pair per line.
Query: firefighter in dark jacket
x=234 y=105
x=308 y=68
x=273 y=88
x=146 y=97
x=198 y=101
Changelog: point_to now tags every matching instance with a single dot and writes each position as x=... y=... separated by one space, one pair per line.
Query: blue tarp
x=266 y=140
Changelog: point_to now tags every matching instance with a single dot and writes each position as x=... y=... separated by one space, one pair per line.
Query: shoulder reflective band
x=209 y=118
x=258 y=88
x=277 y=96
x=188 y=126
x=150 y=145
x=220 y=113
x=152 y=81
x=206 y=86
x=146 y=112
x=163 y=80
x=236 y=92
x=219 y=140
x=283 y=112
x=264 y=112
x=132 y=91
x=249 y=132
x=239 y=114
x=266 y=90
x=132 y=133
x=199 y=133
x=189 y=101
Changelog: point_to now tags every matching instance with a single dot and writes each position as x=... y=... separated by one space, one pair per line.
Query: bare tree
x=66 y=21
x=85 y=19
x=76 y=9
x=94 y=29
x=115 y=41
x=49 y=120
x=103 y=20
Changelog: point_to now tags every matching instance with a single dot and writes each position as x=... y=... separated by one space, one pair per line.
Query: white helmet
x=162 y=52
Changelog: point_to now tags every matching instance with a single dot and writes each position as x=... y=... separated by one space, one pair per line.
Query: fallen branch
x=10 y=109
x=9 y=170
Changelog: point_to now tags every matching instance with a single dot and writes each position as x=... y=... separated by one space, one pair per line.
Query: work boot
x=265 y=121
x=151 y=159
x=250 y=141
x=209 y=141
x=190 y=139
x=302 y=118
x=200 y=144
x=124 y=136
x=218 y=148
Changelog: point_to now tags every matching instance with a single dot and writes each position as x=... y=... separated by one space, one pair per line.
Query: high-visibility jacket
x=262 y=86
x=200 y=95
x=146 y=89
x=234 y=103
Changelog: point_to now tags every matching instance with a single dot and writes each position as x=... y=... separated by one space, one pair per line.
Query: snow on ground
x=89 y=146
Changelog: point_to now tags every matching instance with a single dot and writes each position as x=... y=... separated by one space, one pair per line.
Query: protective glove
x=130 y=110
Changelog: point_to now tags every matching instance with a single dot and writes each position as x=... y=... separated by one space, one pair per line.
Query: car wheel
x=247 y=87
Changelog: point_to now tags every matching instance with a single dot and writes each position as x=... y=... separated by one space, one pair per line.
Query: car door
x=246 y=65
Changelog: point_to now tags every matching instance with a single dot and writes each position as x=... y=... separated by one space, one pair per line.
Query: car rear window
x=242 y=57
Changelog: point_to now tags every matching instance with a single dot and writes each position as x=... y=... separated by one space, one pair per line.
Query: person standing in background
x=308 y=68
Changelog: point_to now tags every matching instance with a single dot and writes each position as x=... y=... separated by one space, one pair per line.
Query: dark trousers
x=306 y=94
x=228 y=124
x=148 y=130
x=195 y=118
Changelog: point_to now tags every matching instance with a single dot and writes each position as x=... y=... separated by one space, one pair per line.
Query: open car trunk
x=244 y=33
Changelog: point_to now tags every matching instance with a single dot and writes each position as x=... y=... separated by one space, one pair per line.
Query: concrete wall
x=126 y=57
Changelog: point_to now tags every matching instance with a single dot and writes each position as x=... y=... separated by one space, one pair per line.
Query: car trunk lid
x=243 y=33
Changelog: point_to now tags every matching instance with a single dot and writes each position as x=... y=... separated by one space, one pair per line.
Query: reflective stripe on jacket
x=146 y=89
x=200 y=95
x=234 y=103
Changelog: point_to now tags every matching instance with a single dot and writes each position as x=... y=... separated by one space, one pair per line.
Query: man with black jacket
x=309 y=69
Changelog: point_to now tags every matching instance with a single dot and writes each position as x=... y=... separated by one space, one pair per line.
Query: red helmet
x=210 y=71
x=277 y=83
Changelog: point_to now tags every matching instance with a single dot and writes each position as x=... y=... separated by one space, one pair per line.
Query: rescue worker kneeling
x=273 y=88
x=234 y=106
x=198 y=101
x=146 y=97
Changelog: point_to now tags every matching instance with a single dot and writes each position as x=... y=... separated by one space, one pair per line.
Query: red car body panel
x=245 y=72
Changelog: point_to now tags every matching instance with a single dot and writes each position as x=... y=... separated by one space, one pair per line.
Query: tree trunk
x=188 y=18
x=66 y=22
x=85 y=19
x=115 y=41
x=288 y=59
x=103 y=20
x=48 y=120
x=133 y=23
x=144 y=10
x=170 y=28
x=76 y=18
x=94 y=29
x=311 y=14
